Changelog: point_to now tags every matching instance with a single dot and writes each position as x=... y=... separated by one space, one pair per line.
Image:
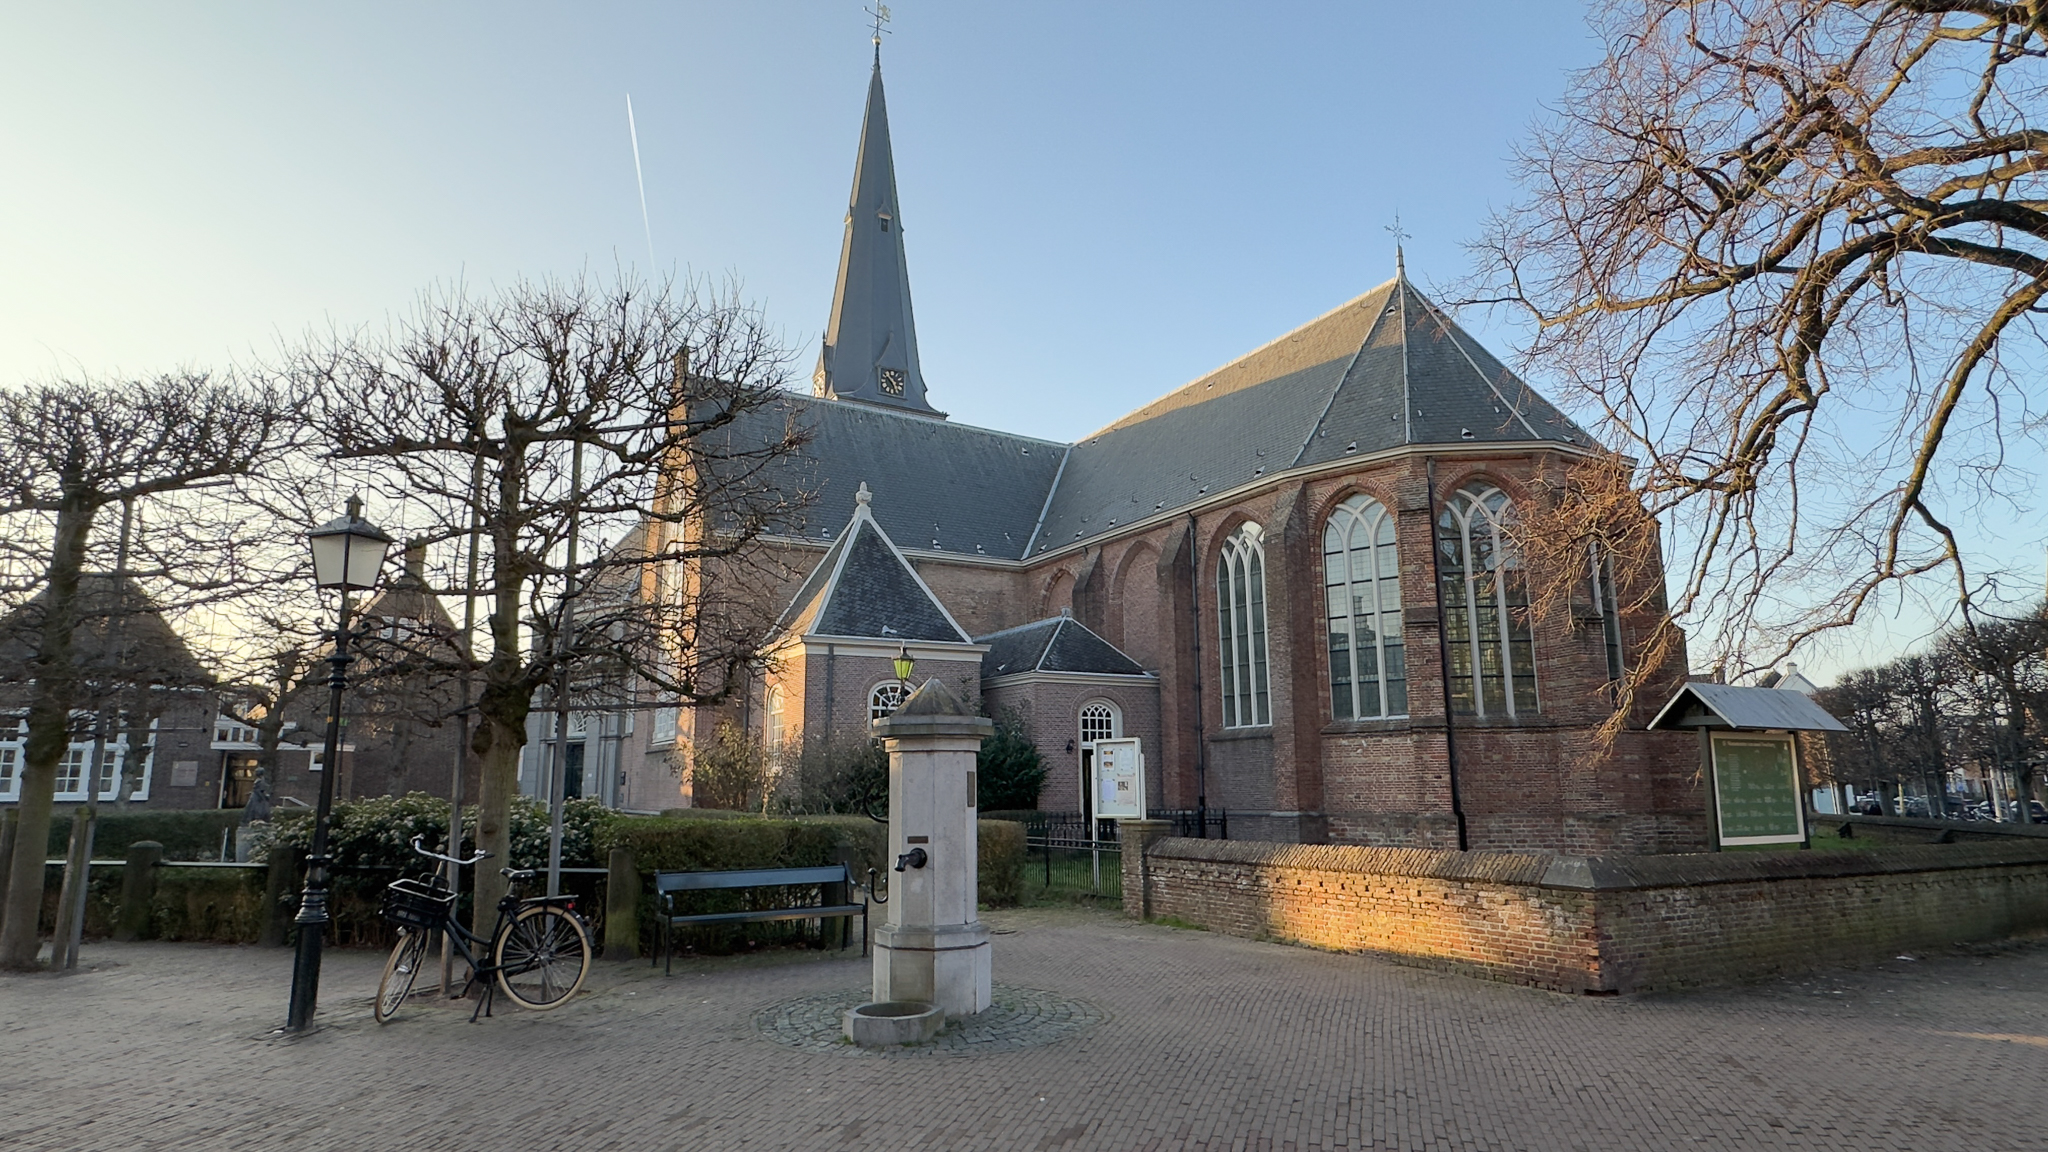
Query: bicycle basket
x=414 y=904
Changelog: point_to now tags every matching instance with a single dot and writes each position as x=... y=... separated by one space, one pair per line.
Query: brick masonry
x=1593 y=924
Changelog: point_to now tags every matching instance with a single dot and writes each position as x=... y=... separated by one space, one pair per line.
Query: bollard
x=10 y=822
x=138 y=890
x=622 y=907
x=279 y=885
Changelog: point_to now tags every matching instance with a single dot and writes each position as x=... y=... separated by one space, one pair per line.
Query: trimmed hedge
x=710 y=840
x=190 y=835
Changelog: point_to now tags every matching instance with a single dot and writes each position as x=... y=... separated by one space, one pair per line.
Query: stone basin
x=882 y=1023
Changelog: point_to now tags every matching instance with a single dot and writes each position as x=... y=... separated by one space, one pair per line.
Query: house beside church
x=1275 y=576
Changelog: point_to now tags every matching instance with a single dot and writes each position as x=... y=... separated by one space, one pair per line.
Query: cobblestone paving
x=1206 y=1042
x=1016 y=1018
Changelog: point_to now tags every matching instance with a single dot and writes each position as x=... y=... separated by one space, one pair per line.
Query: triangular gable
x=865 y=587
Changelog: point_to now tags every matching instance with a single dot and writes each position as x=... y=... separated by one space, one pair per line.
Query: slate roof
x=1701 y=704
x=1057 y=644
x=939 y=486
x=1385 y=370
x=865 y=588
x=146 y=650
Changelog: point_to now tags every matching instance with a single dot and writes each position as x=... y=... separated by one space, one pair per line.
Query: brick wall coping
x=1604 y=873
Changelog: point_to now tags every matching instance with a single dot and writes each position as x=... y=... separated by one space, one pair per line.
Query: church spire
x=870 y=348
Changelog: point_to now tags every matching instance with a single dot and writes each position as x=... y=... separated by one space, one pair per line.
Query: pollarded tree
x=68 y=453
x=553 y=415
x=1795 y=252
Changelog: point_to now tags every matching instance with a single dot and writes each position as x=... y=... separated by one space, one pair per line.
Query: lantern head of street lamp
x=348 y=553
x=904 y=664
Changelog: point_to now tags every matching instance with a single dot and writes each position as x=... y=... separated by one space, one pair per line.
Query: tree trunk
x=49 y=735
x=497 y=744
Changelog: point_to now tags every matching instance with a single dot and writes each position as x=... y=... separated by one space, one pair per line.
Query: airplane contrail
x=641 y=180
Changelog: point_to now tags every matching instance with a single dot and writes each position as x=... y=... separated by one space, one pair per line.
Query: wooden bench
x=834 y=882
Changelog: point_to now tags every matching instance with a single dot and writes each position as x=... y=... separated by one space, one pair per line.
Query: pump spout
x=915 y=858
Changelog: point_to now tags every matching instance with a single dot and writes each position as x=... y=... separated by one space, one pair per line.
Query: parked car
x=2035 y=808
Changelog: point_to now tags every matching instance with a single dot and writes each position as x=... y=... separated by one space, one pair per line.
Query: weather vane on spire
x=1400 y=235
x=881 y=14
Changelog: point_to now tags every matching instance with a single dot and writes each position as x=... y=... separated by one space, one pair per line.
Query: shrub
x=192 y=835
x=843 y=776
x=1008 y=771
x=377 y=833
x=729 y=770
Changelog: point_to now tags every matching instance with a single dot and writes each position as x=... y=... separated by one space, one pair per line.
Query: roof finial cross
x=881 y=14
x=1400 y=234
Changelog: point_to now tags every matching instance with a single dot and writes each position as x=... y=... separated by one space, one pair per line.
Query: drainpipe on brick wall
x=831 y=657
x=1443 y=656
x=1201 y=740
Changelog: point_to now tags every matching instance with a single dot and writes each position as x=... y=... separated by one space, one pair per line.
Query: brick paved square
x=1195 y=1041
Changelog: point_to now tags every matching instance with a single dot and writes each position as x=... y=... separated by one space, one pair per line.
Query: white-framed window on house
x=1486 y=607
x=1241 y=616
x=773 y=708
x=1362 y=601
x=885 y=698
x=666 y=721
x=11 y=745
x=1609 y=608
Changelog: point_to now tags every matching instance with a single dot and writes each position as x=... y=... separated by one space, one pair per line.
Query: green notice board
x=1756 y=790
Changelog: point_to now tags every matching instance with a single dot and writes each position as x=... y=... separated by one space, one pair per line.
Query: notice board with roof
x=1751 y=759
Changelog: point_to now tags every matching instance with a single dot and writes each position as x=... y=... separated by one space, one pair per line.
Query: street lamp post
x=347 y=555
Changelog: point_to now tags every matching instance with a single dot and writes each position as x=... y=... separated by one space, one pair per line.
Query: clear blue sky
x=1101 y=201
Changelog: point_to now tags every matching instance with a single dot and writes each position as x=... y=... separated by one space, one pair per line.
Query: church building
x=1277 y=577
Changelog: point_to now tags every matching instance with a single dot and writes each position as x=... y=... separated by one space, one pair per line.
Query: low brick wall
x=1598 y=924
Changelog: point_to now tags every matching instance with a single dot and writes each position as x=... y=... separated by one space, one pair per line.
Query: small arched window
x=1362 y=598
x=772 y=713
x=1241 y=616
x=1099 y=721
x=1486 y=607
x=885 y=699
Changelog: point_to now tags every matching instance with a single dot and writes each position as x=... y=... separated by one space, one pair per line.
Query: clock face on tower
x=892 y=381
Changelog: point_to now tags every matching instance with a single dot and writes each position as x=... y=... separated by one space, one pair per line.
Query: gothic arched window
x=772 y=712
x=1241 y=612
x=1486 y=607
x=886 y=698
x=1362 y=600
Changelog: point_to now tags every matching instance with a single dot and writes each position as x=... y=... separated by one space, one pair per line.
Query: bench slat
x=749 y=878
x=827 y=911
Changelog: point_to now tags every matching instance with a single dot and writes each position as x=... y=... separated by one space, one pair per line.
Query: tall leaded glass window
x=1362 y=600
x=1486 y=607
x=1609 y=608
x=1241 y=612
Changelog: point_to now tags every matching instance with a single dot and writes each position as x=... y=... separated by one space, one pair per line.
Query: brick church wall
x=1051 y=711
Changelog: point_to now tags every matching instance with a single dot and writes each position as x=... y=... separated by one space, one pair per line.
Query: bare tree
x=638 y=419
x=67 y=452
x=1793 y=252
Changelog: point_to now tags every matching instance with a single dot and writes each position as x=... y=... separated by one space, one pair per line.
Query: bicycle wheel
x=543 y=955
x=407 y=957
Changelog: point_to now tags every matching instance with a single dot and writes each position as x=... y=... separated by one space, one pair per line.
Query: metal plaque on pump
x=1120 y=779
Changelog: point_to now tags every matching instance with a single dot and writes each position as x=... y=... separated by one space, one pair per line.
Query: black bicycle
x=540 y=948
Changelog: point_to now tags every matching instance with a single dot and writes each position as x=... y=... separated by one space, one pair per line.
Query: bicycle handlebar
x=421 y=849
